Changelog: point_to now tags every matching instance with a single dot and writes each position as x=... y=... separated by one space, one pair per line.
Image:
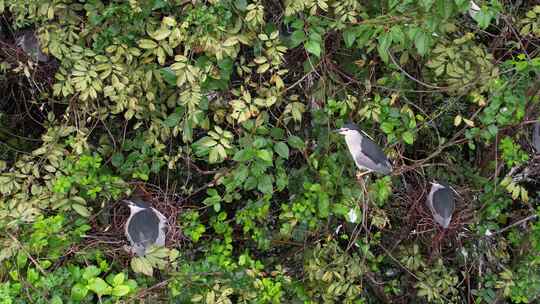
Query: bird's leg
x=360 y=178
x=360 y=174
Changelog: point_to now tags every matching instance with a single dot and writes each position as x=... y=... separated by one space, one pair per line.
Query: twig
x=530 y=217
x=413 y=78
x=28 y=254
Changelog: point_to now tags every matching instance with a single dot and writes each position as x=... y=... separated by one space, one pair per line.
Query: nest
x=422 y=225
x=108 y=226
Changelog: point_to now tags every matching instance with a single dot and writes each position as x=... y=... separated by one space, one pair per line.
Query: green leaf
x=282 y=149
x=265 y=184
x=422 y=42
x=244 y=155
x=296 y=142
x=169 y=75
x=161 y=34
x=324 y=205
x=120 y=290
x=78 y=292
x=117 y=159
x=91 y=272
x=265 y=155
x=172 y=120
x=408 y=137
x=349 y=36
x=426 y=4
x=147 y=44
x=118 y=279
x=141 y=265
x=297 y=38
x=493 y=130
x=313 y=47
x=385 y=40
x=387 y=127
x=80 y=209
x=99 y=286
x=483 y=17
x=56 y=300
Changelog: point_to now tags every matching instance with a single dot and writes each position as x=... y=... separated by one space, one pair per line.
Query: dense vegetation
x=220 y=112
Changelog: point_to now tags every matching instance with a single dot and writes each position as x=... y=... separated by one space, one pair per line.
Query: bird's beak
x=339 y=130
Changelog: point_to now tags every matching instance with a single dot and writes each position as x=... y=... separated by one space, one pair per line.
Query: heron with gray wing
x=536 y=137
x=145 y=226
x=29 y=42
x=441 y=203
x=366 y=154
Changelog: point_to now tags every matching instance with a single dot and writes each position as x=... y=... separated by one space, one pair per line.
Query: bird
x=366 y=153
x=442 y=203
x=145 y=226
x=474 y=9
x=28 y=41
x=536 y=137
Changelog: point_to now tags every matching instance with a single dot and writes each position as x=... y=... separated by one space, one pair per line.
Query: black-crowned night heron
x=536 y=137
x=145 y=226
x=441 y=202
x=366 y=153
x=29 y=42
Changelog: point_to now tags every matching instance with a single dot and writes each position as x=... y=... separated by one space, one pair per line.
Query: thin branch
x=529 y=218
x=28 y=254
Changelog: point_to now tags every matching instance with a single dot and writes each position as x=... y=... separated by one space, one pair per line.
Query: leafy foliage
x=222 y=111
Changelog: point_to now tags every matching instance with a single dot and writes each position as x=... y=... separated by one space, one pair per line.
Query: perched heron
x=536 y=137
x=366 y=153
x=441 y=202
x=145 y=226
x=29 y=42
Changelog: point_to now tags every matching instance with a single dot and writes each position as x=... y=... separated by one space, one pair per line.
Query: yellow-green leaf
x=147 y=44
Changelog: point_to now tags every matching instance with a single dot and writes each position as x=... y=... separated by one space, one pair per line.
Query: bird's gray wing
x=373 y=157
x=443 y=202
x=143 y=228
x=160 y=240
x=536 y=137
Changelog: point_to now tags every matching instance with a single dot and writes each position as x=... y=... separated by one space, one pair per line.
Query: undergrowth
x=221 y=113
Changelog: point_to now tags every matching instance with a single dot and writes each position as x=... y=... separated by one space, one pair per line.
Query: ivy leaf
x=426 y=4
x=141 y=265
x=120 y=290
x=118 y=279
x=161 y=34
x=387 y=127
x=408 y=137
x=172 y=120
x=313 y=47
x=296 y=142
x=117 y=159
x=264 y=184
x=349 y=36
x=323 y=206
x=483 y=17
x=421 y=42
x=91 y=272
x=297 y=38
x=147 y=44
x=265 y=155
x=99 y=286
x=81 y=210
x=282 y=149
x=385 y=40
x=78 y=292
x=169 y=75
